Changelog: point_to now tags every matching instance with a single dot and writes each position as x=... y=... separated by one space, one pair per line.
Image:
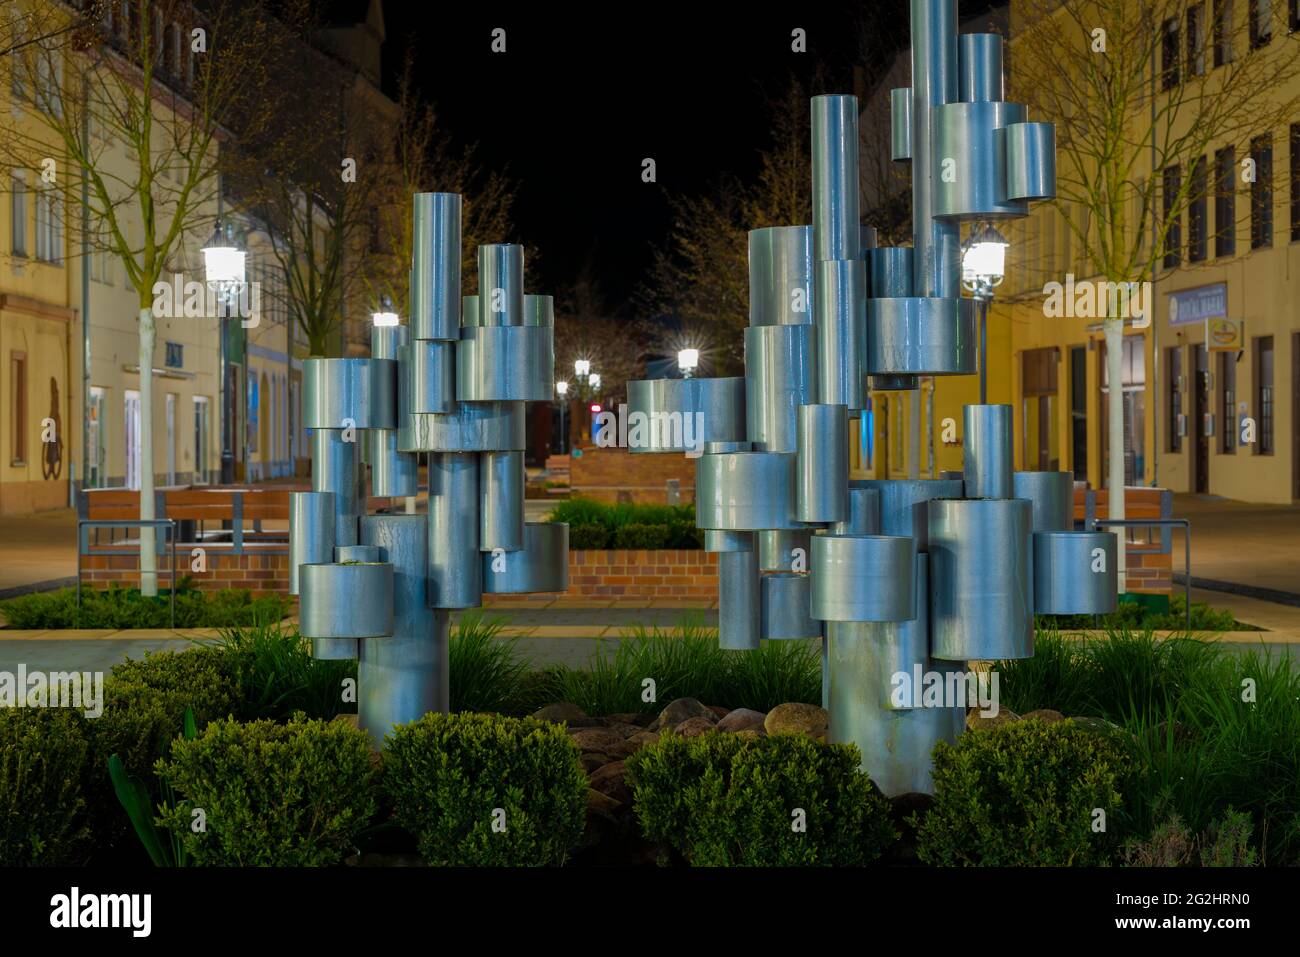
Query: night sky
x=585 y=92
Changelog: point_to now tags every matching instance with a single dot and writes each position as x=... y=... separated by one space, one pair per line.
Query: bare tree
x=1133 y=96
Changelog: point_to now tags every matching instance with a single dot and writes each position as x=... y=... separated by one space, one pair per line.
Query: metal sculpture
x=450 y=387
x=900 y=577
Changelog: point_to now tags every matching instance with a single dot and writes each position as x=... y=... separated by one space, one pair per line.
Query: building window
x=1174 y=362
x=1228 y=403
x=96 y=431
x=1197 y=221
x=1169 y=54
x=171 y=50
x=1293 y=15
x=202 y=439
x=1173 y=219
x=1196 y=40
x=1264 y=395
x=1133 y=387
x=1222 y=32
x=49 y=228
x=1261 y=26
x=1225 y=202
x=1295 y=177
x=1261 y=193
x=18 y=216
x=18 y=408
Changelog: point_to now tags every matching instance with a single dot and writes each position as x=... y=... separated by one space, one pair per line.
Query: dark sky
x=584 y=92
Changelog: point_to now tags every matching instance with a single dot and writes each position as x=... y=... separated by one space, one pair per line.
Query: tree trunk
x=1115 y=434
x=148 y=552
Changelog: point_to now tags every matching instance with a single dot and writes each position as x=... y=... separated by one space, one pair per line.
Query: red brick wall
x=612 y=475
x=1149 y=572
x=257 y=572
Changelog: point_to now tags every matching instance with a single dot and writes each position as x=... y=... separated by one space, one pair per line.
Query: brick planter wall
x=616 y=475
x=606 y=573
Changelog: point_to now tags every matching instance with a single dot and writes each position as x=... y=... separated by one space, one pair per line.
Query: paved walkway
x=1239 y=543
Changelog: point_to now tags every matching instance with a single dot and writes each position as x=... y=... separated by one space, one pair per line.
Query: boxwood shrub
x=43 y=756
x=725 y=800
x=284 y=795
x=486 y=790
x=1024 y=793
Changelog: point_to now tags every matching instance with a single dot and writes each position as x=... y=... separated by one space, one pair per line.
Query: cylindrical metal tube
x=470 y=312
x=918 y=336
x=780 y=276
x=539 y=310
x=402 y=678
x=346 y=601
x=455 y=566
x=785 y=608
x=981 y=579
x=900 y=123
x=501 y=284
x=905 y=645
x=967 y=133
x=343 y=393
x=1075 y=573
x=780 y=369
x=740 y=601
x=987 y=454
x=895 y=745
x=937 y=261
x=863 y=515
x=1027 y=152
x=862 y=578
x=334 y=468
x=821 y=493
x=392 y=473
x=386 y=340
x=358 y=554
x=311 y=531
x=427 y=377
x=542 y=565
x=783 y=550
x=979 y=68
x=435 y=266
x=514 y=363
x=501 y=501
x=682 y=415
x=470 y=427
x=889 y=272
x=902 y=504
x=841 y=301
x=835 y=177
x=1052 y=494
x=720 y=541
x=745 y=491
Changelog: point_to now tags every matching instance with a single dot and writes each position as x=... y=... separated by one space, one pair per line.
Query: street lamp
x=385 y=315
x=593 y=381
x=562 y=389
x=582 y=368
x=224 y=270
x=983 y=267
x=688 y=360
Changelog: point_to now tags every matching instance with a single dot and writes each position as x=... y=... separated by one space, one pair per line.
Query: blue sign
x=1196 y=305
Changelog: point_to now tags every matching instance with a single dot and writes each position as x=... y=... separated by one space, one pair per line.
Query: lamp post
x=688 y=360
x=224 y=270
x=983 y=267
x=562 y=390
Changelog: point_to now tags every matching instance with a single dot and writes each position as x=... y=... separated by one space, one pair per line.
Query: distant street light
x=223 y=262
x=581 y=368
x=983 y=267
x=562 y=389
x=593 y=380
x=688 y=360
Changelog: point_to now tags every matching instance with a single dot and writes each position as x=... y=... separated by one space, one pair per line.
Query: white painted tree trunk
x=148 y=553
x=1115 y=435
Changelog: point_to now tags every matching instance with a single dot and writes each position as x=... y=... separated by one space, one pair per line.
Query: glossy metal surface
x=840 y=299
x=1071 y=577
x=539 y=310
x=780 y=361
x=455 y=566
x=335 y=468
x=470 y=312
x=1027 y=152
x=501 y=284
x=783 y=550
x=916 y=336
x=392 y=473
x=979 y=67
x=311 y=531
x=541 y=566
x=889 y=273
x=937 y=262
x=505 y=363
x=835 y=177
x=435 y=266
x=986 y=451
x=967 y=134
x=472 y=427
x=745 y=491
x=1052 y=495
x=740 y=601
x=862 y=578
x=785 y=608
x=720 y=541
x=900 y=123
x=345 y=601
x=863 y=515
x=981 y=579
x=427 y=377
x=780 y=276
x=386 y=340
x=902 y=504
x=681 y=415
x=501 y=501
x=361 y=393
x=351 y=554
x=821 y=490
x=402 y=678
x=902 y=645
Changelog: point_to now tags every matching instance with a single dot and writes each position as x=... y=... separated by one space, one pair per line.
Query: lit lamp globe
x=688 y=360
x=593 y=380
x=223 y=261
x=983 y=261
x=561 y=388
x=582 y=368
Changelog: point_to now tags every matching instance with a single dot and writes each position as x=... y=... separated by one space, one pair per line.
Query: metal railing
x=83 y=548
x=1184 y=523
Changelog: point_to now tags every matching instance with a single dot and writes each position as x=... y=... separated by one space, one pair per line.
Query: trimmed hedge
x=725 y=800
x=1024 y=794
x=43 y=759
x=485 y=790
x=119 y=607
x=272 y=795
x=597 y=525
